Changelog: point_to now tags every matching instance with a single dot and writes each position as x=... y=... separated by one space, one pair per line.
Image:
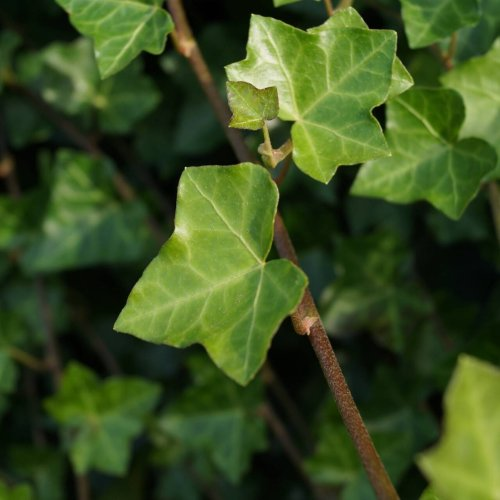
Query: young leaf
x=328 y=82
x=210 y=282
x=120 y=30
x=84 y=223
x=478 y=82
x=215 y=416
x=428 y=21
x=428 y=162
x=251 y=106
x=101 y=418
x=466 y=461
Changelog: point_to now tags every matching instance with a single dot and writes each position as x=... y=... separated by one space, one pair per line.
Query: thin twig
x=82 y=487
x=288 y=404
x=494 y=198
x=306 y=319
x=281 y=433
x=284 y=171
x=187 y=46
x=329 y=7
x=26 y=359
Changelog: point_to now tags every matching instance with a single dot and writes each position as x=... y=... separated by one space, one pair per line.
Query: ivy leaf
x=66 y=76
x=428 y=161
x=251 y=106
x=217 y=417
x=328 y=82
x=466 y=461
x=84 y=223
x=101 y=418
x=429 y=21
x=401 y=79
x=210 y=282
x=120 y=30
x=478 y=82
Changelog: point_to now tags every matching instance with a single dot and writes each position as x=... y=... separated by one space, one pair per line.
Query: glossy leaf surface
x=251 y=106
x=85 y=223
x=428 y=21
x=328 y=82
x=428 y=161
x=101 y=418
x=210 y=283
x=478 y=82
x=466 y=461
x=120 y=30
x=215 y=416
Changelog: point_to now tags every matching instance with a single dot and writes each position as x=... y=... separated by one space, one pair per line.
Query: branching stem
x=306 y=320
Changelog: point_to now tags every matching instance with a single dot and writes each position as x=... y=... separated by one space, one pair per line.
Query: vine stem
x=329 y=7
x=306 y=319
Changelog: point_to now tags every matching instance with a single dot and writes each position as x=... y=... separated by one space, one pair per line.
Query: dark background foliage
x=403 y=289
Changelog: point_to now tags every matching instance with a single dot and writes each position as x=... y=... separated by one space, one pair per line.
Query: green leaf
x=466 y=461
x=8 y=373
x=101 y=418
x=66 y=75
x=429 y=494
x=19 y=492
x=120 y=30
x=251 y=107
x=210 y=283
x=279 y=3
x=428 y=21
x=478 y=82
x=401 y=79
x=216 y=416
x=428 y=162
x=328 y=82
x=85 y=224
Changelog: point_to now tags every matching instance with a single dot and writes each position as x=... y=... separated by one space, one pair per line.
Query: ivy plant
x=388 y=268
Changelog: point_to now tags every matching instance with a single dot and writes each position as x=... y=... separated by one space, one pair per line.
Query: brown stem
x=281 y=433
x=494 y=197
x=344 y=4
x=82 y=487
x=306 y=319
x=284 y=170
x=187 y=46
x=329 y=7
x=27 y=359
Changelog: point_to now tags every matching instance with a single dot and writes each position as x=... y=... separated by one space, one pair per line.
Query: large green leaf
x=478 y=81
x=66 y=76
x=328 y=80
x=85 y=224
x=19 y=492
x=427 y=21
x=210 y=283
x=100 y=419
x=428 y=162
x=466 y=461
x=217 y=417
x=120 y=29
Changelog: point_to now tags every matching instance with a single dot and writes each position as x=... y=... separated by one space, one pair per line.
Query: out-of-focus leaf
x=44 y=467
x=279 y=3
x=100 y=419
x=429 y=494
x=428 y=161
x=374 y=291
x=210 y=283
x=120 y=30
x=428 y=21
x=8 y=372
x=466 y=461
x=327 y=100
x=85 y=224
x=475 y=41
x=19 y=492
x=251 y=107
x=66 y=75
x=478 y=82
x=217 y=417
